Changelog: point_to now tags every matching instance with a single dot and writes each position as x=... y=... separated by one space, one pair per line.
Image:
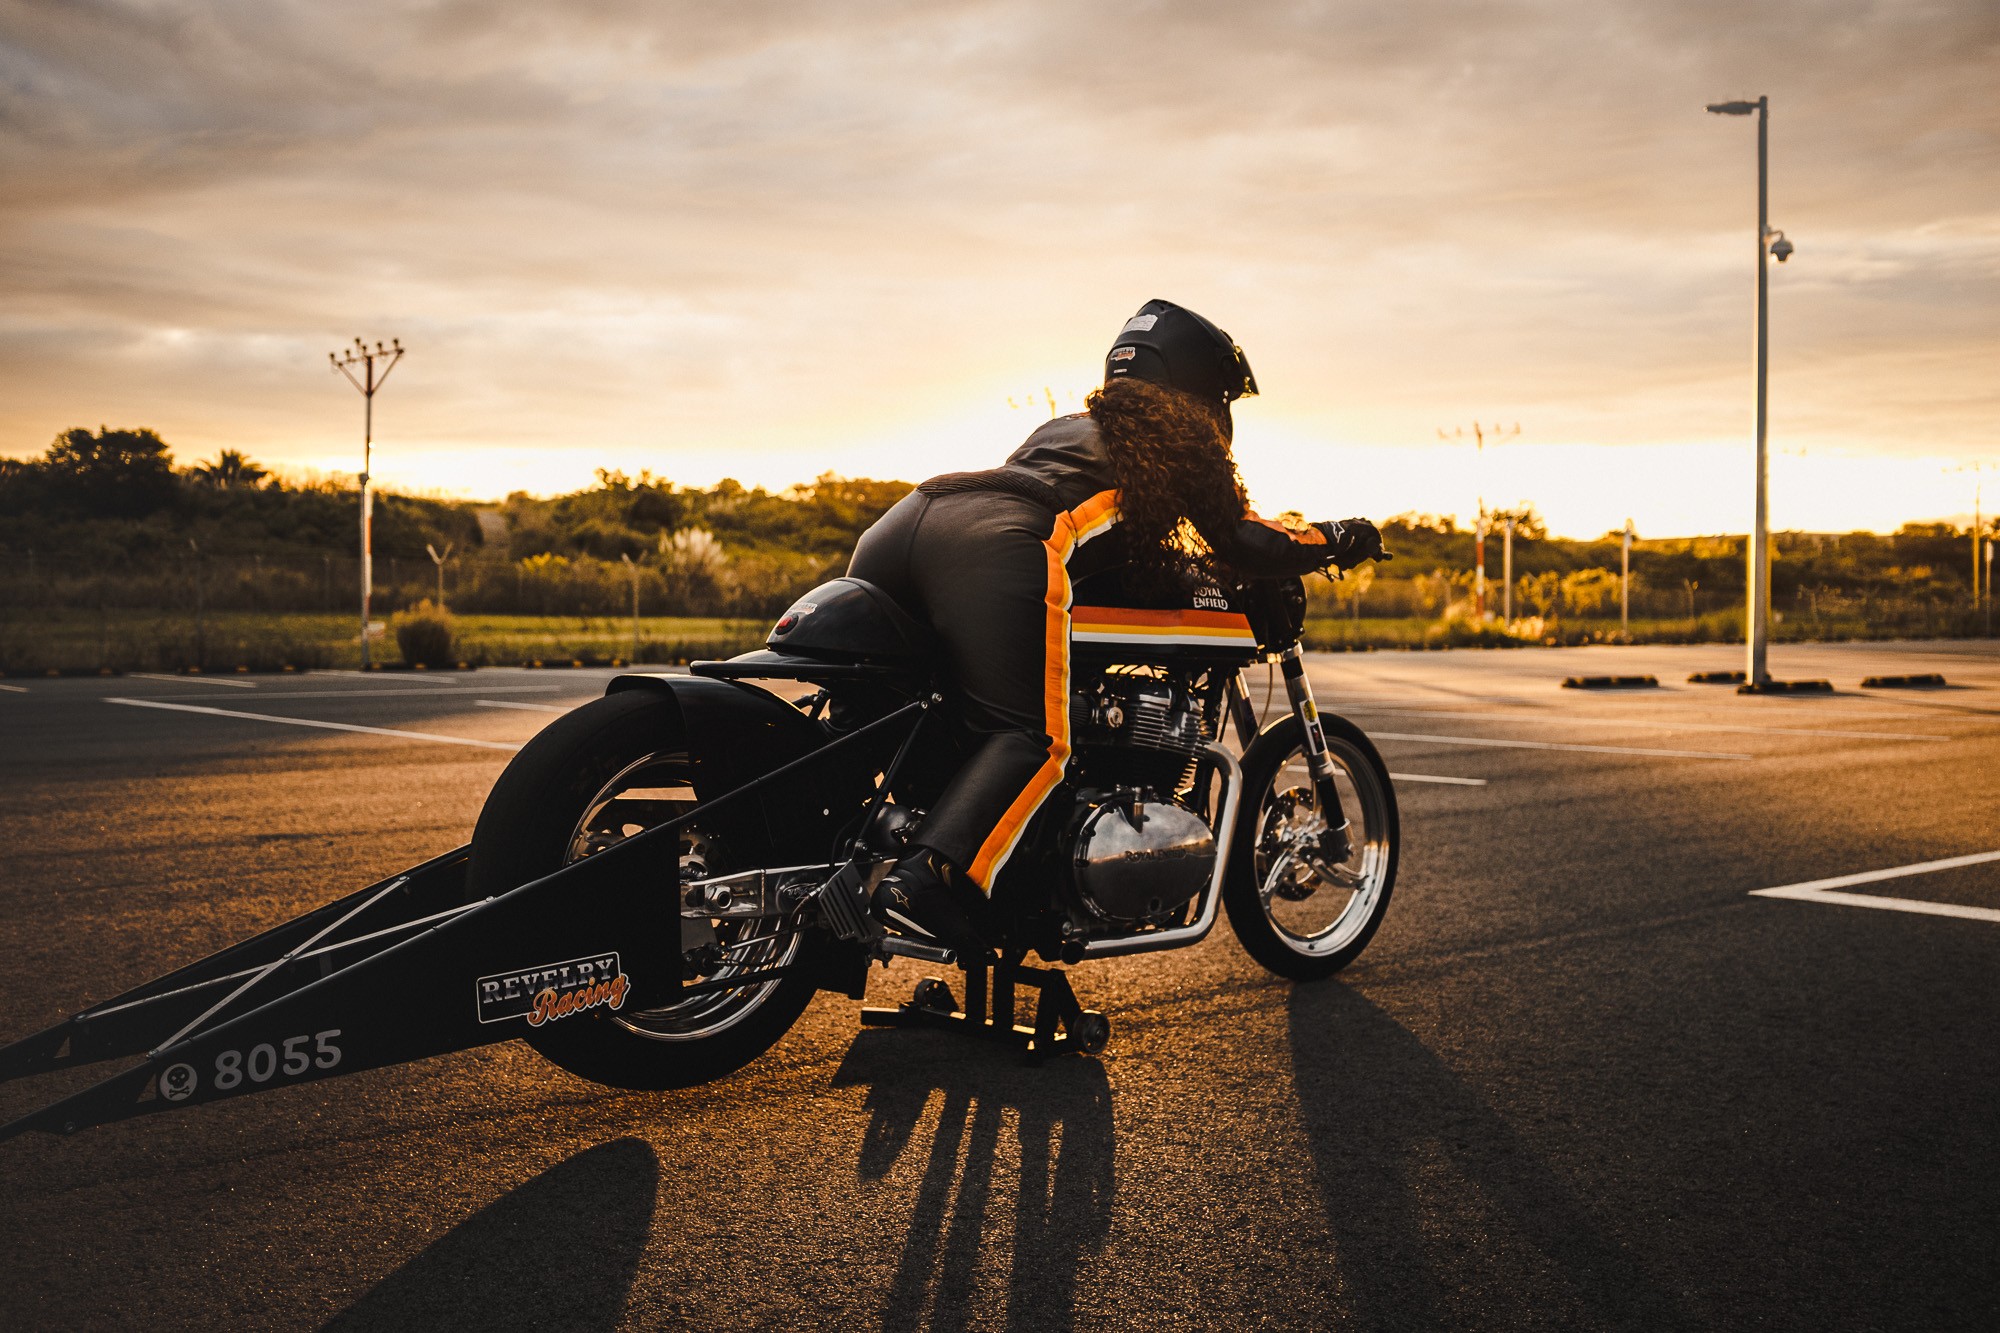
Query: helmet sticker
x=1124 y=353
x=1140 y=324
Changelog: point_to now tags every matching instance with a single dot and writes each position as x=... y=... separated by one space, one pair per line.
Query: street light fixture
x=1757 y=631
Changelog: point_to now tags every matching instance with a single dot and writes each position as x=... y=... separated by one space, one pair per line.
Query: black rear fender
x=737 y=732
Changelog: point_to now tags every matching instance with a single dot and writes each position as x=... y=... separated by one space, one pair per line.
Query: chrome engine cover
x=1133 y=858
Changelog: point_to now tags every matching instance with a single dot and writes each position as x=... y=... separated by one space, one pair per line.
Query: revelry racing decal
x=555 y=990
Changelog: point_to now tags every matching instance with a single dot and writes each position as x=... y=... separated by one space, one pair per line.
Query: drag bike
x=779 y=786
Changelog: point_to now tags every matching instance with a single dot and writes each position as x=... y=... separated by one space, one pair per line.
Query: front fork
x=1335 y=846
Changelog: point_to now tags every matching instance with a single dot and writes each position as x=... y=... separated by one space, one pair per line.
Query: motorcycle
x=1156 y=827
x=661 y=879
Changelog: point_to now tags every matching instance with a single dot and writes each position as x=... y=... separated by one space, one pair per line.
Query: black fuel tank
x=847 y=620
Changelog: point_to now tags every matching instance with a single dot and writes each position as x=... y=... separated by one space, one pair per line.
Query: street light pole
x=1758 y=637
x=361 y=355
x=1758 y=630
x=1625 y=583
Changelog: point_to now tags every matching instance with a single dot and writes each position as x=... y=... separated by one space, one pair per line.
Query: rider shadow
x=1062 y=1123
x=1422 y=1181
x=557 y=1252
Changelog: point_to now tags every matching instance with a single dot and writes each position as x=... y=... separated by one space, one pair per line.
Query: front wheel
x=1296 y=911
x=596 y=776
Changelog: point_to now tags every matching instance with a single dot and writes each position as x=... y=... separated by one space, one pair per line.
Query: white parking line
x=395 y=694
x=1822 y=890
x=1433 y=777
x=1554 y=745
x=193 y=680
x=526 y=708
x=325 y=726
x=1649 y=724
x=14 y=689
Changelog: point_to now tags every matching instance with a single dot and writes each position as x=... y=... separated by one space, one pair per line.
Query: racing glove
x=1350 y=542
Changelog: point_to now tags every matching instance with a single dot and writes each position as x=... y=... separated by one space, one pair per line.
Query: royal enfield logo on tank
x=554 y=990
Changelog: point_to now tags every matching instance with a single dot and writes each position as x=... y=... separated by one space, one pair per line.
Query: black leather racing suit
x=987 y=558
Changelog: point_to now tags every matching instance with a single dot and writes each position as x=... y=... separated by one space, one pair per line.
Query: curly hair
x=1176 y=476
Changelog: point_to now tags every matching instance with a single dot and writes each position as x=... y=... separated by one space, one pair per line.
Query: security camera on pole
x=1757 y=632
x=371 y=380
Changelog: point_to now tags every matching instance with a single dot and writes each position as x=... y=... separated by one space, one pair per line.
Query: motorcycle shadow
x=522 y=1261
x=1062 y=1123
x=1442 y=1214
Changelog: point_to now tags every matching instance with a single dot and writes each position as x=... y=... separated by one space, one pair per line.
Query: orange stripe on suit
x=1070 y=530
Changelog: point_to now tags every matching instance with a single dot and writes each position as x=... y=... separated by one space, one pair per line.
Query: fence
x=750 y=585
x=215 y=612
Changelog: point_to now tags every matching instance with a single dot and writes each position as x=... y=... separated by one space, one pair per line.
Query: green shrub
x=425 y=636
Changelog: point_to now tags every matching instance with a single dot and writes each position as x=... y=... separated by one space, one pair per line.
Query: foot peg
x=843 y=904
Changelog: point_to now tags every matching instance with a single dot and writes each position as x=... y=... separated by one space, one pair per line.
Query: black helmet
x=1169 y=345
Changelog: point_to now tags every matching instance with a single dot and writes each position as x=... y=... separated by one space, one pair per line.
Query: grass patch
x=79 y=640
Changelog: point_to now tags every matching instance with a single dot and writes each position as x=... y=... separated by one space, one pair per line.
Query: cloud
x=784 y=232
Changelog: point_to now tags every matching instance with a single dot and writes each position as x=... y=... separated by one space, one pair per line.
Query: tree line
x=106 y=517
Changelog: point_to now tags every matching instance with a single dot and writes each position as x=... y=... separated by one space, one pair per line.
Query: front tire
x=597 y=775
x=1298 y=916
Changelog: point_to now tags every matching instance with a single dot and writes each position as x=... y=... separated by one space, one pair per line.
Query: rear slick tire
x=549 y=808
x=1298 y=922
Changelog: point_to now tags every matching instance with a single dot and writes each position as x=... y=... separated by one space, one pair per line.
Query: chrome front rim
x=1316 y=905
x=649 y=791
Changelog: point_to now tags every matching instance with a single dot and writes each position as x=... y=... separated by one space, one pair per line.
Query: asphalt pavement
x=1586 y=1076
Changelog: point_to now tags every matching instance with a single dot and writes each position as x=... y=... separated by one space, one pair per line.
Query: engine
x=1135 y=852
x=1136 y=858
x=1138 y=731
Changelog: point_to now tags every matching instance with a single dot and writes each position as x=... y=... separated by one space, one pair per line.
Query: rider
x=987 y=559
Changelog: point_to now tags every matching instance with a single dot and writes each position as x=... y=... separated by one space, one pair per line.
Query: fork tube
x=1242 y=713
x=1299 y=690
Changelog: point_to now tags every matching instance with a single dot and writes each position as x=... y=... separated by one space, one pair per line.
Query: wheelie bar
x=401 y=970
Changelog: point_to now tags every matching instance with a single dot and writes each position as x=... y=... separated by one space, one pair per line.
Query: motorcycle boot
x=926 y=896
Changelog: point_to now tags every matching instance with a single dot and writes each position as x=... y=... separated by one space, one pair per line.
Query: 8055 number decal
x=265 y=1061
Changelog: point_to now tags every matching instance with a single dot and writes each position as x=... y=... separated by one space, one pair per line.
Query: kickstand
x=1061 y=1023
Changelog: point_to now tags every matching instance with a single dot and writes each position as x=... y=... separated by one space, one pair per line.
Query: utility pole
x=371 y=379
x=1507 y=569
x=439 y=561
x=1480 y=435
x=1989 y=587
x=200 y=626
x=1979 y=590
x=634 y=659
x=1976 y=535
x=1625 y=583
x=1047 y=396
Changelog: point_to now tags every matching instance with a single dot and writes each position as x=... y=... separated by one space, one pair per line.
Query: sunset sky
x=773 y=240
